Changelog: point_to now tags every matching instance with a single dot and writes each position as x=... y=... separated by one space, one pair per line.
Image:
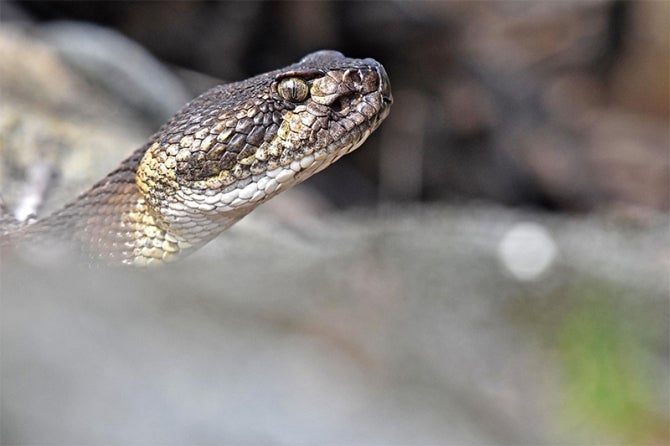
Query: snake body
x=224 y=153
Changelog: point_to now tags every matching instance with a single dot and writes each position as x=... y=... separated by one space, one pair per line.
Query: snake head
x=240 y=144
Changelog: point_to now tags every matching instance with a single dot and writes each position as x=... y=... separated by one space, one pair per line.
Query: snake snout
x=384 y=85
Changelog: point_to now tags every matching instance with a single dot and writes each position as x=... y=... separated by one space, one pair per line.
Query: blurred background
x=491 y=267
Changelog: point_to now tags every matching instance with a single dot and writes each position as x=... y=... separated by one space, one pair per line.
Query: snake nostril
x=340 y=105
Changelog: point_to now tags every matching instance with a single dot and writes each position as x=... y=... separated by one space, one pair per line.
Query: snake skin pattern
x=223 y=154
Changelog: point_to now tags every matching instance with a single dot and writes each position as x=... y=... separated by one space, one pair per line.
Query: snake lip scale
x=224 y=153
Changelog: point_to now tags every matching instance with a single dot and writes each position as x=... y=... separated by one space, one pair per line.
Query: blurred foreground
x=400 y=328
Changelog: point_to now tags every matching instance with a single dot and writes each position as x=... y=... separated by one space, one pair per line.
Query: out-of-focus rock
x=396 y=328
x=50 y=114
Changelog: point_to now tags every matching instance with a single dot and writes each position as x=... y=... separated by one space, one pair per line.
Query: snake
x=223 y=154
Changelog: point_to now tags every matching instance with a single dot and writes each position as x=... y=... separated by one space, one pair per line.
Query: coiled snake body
x=223 y=154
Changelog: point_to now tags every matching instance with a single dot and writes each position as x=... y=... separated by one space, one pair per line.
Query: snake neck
x=119 y=221
x=113 y=223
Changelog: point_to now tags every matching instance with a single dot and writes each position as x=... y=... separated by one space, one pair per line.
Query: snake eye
x=293 y=89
